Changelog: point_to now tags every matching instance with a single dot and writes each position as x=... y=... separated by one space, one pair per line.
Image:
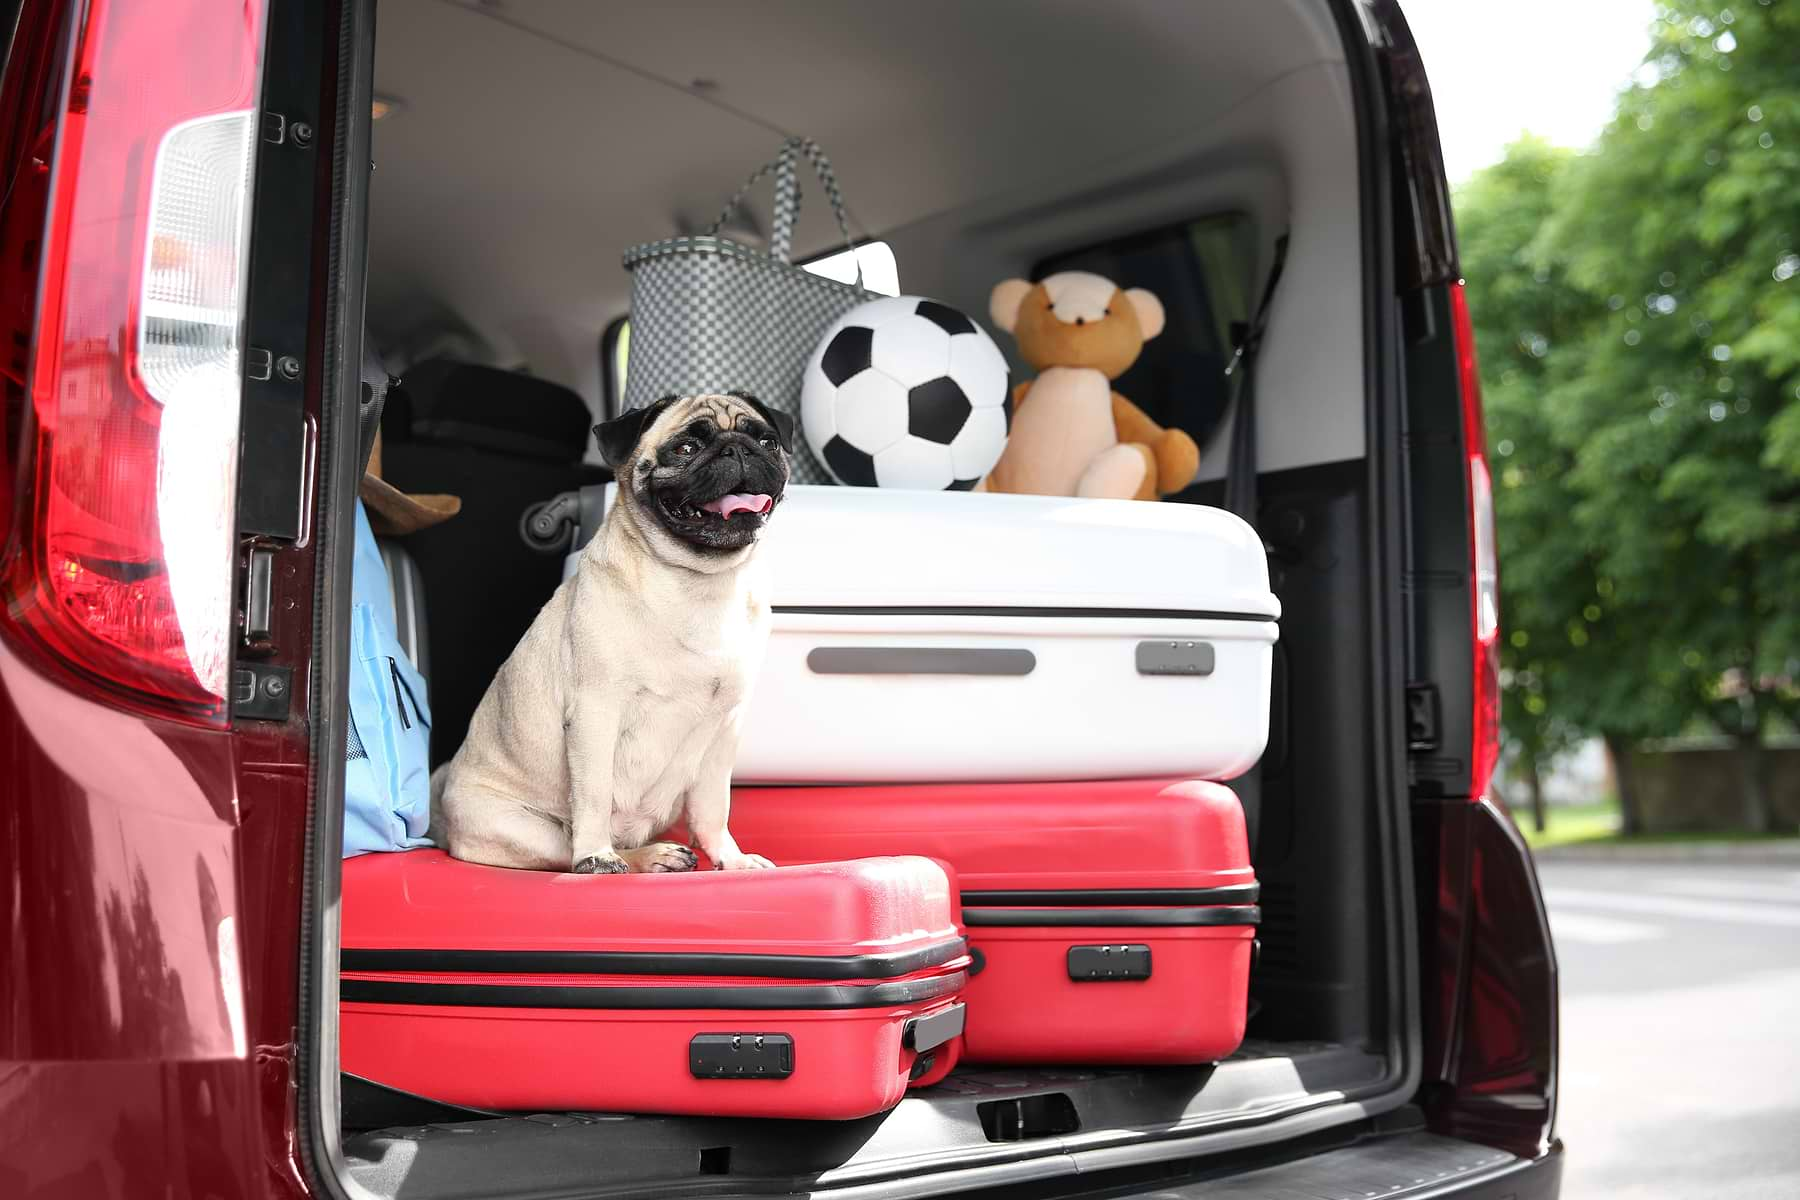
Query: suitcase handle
x=922 y=1034
x=919 y=660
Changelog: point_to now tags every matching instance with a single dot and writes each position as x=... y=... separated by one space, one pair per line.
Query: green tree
x=1572 y=656
x=1523 y=310
x=1638 y=314
x=1681 y=406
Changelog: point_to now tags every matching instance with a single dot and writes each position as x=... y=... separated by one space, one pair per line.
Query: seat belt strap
x=1240 y=465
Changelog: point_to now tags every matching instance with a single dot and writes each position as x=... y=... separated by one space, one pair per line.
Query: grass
x=1568 y=825
x=1598 y=825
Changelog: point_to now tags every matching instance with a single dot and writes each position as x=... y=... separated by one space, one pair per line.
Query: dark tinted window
x=1200 y=270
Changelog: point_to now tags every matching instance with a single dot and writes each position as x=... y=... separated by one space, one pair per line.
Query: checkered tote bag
x=712 y=315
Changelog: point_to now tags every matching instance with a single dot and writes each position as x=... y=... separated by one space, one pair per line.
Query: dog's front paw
x=602 y=864
x=660 y=858
x=745 y=862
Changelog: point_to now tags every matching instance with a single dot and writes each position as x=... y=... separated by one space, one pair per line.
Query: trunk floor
x=978 y=1118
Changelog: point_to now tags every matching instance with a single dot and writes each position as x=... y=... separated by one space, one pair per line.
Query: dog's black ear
x=781 y=422
x=619 y=436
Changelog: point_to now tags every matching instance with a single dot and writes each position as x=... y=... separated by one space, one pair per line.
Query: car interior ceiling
x=528 y=144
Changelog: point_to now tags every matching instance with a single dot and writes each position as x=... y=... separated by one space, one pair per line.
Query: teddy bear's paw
x=1177 y=460
x=1119 y=472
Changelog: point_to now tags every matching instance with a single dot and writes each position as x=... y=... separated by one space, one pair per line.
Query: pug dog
x=618 y=712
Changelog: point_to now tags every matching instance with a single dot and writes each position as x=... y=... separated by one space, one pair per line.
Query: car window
x=1200 y=270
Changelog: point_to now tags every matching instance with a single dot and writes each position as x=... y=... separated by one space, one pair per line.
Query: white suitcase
x=966 y=637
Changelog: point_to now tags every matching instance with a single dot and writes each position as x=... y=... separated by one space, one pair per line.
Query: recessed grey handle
x=928 y=1033
x=1175 y=657
x=920 y=660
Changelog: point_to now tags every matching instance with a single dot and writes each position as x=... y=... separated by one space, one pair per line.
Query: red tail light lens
x=119 y=571
x=1484 y=566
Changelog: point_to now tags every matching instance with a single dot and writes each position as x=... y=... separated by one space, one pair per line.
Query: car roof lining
x=540 y=138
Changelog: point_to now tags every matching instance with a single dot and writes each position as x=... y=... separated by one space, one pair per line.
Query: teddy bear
x=1072 y=435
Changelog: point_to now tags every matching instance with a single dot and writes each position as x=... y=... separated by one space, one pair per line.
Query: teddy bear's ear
x=1149 y=311
x=1004 y=302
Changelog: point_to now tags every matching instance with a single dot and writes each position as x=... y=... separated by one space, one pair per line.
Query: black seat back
x=503 y=442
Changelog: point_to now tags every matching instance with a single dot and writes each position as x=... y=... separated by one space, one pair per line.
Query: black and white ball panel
x=969 y=453
x=871 y=411
x=937 y=410
x=945 y=317
x=911 y=351
x=912 y=463
x=850 y=465
x=977 y=364
x=847 y=353
x=907 y=392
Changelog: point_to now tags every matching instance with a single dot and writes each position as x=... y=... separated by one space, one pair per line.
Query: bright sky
x=1550 y=67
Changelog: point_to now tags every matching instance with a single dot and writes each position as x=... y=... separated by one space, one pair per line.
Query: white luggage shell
x=950 y=636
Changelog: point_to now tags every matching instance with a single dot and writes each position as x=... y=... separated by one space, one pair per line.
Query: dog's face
x=706 y=471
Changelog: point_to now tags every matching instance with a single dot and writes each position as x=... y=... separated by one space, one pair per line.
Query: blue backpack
x=387 y=772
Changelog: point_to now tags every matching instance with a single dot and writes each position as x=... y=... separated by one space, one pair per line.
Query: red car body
x=155 y=895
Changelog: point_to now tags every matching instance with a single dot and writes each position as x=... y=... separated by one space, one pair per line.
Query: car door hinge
x=261 y=691
x=277 y=130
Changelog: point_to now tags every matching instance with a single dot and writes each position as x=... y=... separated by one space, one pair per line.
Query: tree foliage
x=1637 y=311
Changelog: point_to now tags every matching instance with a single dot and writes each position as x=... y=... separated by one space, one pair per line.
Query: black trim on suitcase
x=1231 y=893
x=728 y=996
x=620 y=962
x=1113 y=918
x=1001 y=610
x=928 y=1033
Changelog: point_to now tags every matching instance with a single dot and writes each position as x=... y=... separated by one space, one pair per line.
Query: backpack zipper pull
x=399 y=692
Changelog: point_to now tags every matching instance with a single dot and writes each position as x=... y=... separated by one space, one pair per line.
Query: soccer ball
x=905 y=392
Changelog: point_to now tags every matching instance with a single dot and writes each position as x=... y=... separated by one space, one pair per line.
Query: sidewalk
x=1776 y=851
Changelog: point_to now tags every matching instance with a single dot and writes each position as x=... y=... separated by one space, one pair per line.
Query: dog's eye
x=767 y=443
x=684 y=448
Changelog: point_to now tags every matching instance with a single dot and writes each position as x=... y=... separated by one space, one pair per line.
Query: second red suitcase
x=1112 y=923
x=816 y=992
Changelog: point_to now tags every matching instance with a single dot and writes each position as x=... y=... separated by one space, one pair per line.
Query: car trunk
x=524 y=146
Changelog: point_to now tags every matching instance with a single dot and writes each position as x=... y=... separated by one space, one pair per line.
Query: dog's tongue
x=727 y=505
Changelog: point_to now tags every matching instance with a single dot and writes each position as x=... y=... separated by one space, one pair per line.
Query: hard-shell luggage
x=814 y=992
x=922 y=636
x=1111 y=923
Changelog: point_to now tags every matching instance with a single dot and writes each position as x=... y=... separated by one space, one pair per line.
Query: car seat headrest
x=505 y=412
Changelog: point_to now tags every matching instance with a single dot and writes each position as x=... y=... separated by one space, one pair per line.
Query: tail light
x=1484 y=745
x=118 y=570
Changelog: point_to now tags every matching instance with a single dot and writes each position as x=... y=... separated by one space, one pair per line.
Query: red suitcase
x=1112 y=923
x=817 y=991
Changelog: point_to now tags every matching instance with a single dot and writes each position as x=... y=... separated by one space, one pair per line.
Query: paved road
x=1680 y=1029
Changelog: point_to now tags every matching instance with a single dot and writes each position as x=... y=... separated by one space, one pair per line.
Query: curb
x=1775 y=852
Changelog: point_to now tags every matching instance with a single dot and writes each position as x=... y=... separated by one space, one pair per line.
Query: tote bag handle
x=787 y=199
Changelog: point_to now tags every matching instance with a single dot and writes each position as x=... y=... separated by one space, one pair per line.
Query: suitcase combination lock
x=1108 y=964
x=741 y=1056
